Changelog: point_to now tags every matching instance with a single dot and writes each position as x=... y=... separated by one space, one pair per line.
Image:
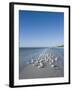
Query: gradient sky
x=40 y=29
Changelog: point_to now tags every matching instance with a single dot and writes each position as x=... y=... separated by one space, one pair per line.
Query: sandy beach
x=48 y=64
x=30 y=72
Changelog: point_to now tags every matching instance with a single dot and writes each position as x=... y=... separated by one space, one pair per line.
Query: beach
x=49 y=64
x=30 y=72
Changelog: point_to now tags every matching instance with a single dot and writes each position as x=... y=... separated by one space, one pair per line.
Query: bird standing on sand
x=40 y=65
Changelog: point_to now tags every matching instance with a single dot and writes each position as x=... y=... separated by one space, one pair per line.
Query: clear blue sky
x=41 y=29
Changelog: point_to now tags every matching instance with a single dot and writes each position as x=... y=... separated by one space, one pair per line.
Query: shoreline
x=48 y=64
x=31 y=72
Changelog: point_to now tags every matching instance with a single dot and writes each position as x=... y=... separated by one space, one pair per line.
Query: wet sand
x=30 y=72
x=48 y=64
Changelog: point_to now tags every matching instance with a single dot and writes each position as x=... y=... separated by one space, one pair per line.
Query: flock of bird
x=45 y=58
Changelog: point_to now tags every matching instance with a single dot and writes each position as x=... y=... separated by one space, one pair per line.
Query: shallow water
x=27 y=54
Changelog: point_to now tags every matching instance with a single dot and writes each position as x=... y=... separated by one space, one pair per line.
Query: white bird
x=40 y=65
x=52 y=60
x=36 y=63
x=56 y=59
x=32 y=61
x=52 y=65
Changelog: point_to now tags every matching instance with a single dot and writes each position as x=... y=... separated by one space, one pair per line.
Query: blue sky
x=40 y=29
